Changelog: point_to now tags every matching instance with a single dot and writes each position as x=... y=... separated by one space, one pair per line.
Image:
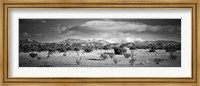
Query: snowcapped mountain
x=71 y=40
x=101 y=41
x=82 y=41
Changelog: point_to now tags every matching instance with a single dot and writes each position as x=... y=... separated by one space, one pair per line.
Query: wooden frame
x=6 y=4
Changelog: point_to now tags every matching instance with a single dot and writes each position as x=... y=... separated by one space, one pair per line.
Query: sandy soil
x=143 y=59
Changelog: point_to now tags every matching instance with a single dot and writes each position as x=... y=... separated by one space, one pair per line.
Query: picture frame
x=102 y=4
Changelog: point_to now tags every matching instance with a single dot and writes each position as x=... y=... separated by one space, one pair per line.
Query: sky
x=112 y=30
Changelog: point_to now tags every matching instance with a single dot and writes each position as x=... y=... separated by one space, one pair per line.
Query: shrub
x=152 y=49
x=78 y=61
x=133 y=54
x=111 y=55
x=157 y=61
x=127 y=55
x=64 y=54
x=52 y=50
x=39 y=50
x=39 y=58
x=87 y=50
x=115 y=60
x=133 y=48
x=106 y=47
x=50 y=53
x=76 y=49
x=172 y=56
x=178 y=47
x=33 y=48
x=103 y=56
x=170 y=49
x=26 y=50
x=33 y=55
x=62 y=50
x=119 y=51
x=69 y=48
x=132 y=61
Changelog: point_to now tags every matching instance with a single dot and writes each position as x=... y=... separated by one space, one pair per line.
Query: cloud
x=120 y=30
x=124 y=26
x=59 y=28
x=115 y=25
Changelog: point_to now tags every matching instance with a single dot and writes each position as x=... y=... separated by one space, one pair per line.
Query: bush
x=78 y=61
x=69 y=48
x=106 y=47
x=87 y=50
x=26 y=50
x=178 y=47
x=152 y=49
x=170 y=49
x=119 y=51
x=103 y=56
x=50 y=53
x=52 y=50
x=64 y=54
x=127 y=55
x=133 y=48
x=172 y=56
x=111 y=55
x=39 y=50
x=132 y=61
x=33 y=48
x=76 y=49
x=33 y=55
x=62 y=50
x=157 y=61
x=115 y=60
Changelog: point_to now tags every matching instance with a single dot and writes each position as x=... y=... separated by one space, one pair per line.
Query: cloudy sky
x=54 y=30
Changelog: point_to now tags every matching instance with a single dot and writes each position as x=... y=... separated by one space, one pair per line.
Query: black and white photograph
x=100 y=42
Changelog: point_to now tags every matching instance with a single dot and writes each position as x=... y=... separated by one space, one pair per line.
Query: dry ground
x=143 y=59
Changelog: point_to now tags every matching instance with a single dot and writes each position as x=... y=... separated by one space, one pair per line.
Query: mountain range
x=70 y=40
x=99 y=41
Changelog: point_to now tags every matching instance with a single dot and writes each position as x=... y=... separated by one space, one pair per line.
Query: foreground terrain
x=143 y=58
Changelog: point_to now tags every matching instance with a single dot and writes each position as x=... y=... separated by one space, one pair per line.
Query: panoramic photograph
x=104 y=42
